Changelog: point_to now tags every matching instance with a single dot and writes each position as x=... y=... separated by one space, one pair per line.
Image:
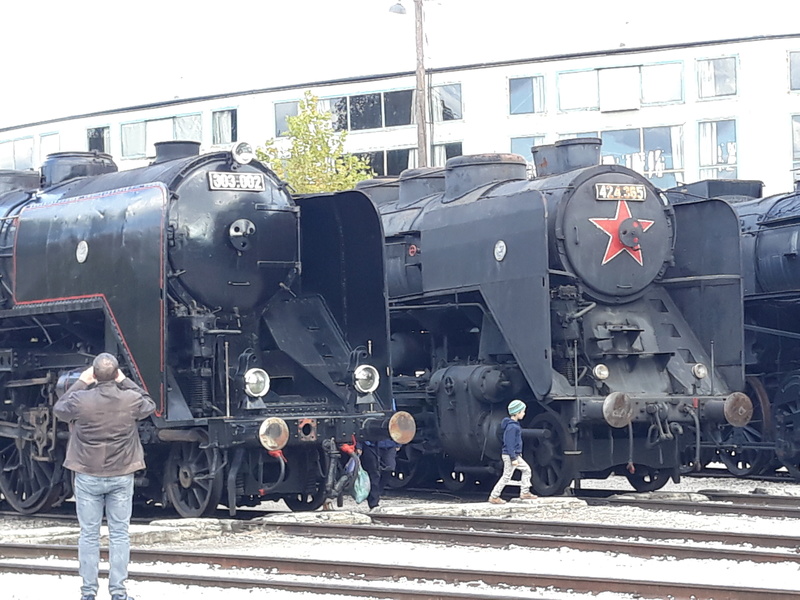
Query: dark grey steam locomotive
x=770 y=240
x=257 y=322
x=583 y=292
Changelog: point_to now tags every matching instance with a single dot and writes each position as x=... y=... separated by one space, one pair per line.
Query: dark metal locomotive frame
x=209 y=282
x=499 y=289
x=770 y=234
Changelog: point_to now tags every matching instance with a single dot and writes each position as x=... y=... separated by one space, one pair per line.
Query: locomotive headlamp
x=242 y=153
x=366 y=379
x=273 y=433
x=600 y=372
x=700 y=371
x=256 y=383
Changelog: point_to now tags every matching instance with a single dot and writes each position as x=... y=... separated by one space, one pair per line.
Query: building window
x=186 y=128
x=578 y=91
x=223 y=127
x=796 y=147
x=794 y=70
x=655 y=152
x=97 y=139
x=718 y=150
x=716 y=77
x=523 y=145
x=357 y=112
x=399 y=160
x=391 y=162
x=662 y=83
x=619 y=89
x=283 y=110
x=17 y=154
x=49 y=143
x=443 y=152
x=139 y=139
x=526 y=95
x=133 y=140
x=397 y=108
x=446 y=102
x=365 y=111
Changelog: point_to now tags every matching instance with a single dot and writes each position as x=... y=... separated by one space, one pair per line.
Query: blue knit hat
x=515 y=406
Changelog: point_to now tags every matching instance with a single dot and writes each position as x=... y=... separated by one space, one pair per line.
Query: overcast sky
x=63 y=57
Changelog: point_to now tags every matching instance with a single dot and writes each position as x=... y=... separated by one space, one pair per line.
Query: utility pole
x=422 y=89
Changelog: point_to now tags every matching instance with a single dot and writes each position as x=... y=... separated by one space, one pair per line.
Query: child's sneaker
x=527 y=496
x=496 y=500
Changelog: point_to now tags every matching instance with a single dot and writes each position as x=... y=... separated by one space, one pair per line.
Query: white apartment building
x=676 y=113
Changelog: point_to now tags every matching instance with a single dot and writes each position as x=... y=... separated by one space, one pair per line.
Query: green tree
x=315 y=160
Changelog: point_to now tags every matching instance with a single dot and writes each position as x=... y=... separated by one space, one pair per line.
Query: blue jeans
x=115 y=495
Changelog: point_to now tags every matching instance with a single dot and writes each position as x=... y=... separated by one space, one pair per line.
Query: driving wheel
x=453 y=480
x=787 y=444
x=738 y=445
x=28 y=483
x=647 y=479
x=410 y=468
x=548 y=453
x=193 y=479
x=306 y=501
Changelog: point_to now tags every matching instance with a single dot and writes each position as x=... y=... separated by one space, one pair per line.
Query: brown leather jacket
x=104 y=438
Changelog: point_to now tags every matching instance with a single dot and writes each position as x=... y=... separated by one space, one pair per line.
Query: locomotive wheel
x=411 y=467
x=785 y=415
x=30 y=485
x=689 y=463
x=306 y=501
x=552 y=469
x=740 y=459
x=453 y=480
x=191 y=486
x=647 y=479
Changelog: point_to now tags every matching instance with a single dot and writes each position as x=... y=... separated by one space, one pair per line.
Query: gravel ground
x=211 y=534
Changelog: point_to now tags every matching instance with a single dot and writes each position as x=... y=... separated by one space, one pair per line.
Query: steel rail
x=590 y=530
x=707 y=508
x=502 y=539
x=371 y=571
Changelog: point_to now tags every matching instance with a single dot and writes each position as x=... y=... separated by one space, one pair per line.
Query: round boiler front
x=231 y=247
x=615 y=232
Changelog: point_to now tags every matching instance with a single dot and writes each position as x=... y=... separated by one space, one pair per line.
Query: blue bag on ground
x=360 y=488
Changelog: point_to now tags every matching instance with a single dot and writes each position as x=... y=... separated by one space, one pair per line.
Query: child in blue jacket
x=512 y=455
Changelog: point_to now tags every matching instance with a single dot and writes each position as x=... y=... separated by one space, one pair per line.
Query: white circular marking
x=500 y=250
x=82 y=251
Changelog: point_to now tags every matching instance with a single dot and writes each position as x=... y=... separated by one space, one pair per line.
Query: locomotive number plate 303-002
x=252 y=182
x=618 y=191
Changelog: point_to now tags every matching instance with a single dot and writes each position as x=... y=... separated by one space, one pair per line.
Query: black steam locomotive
x=257 y=322
x=583 y=292
x=770 y=230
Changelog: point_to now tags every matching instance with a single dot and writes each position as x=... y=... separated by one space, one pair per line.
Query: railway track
x=718 y=504
x=360 y=579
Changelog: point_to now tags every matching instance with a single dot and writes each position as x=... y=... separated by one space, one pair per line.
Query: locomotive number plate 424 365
x=252 y=182
x=618 y=191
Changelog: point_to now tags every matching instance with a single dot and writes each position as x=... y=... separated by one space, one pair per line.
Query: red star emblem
x=623 y=238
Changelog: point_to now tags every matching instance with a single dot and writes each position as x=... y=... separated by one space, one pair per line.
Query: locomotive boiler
x=770 y=229
x=257 y=323
x=614 y=315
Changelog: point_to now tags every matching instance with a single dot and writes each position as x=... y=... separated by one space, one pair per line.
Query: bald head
x=105 y=367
